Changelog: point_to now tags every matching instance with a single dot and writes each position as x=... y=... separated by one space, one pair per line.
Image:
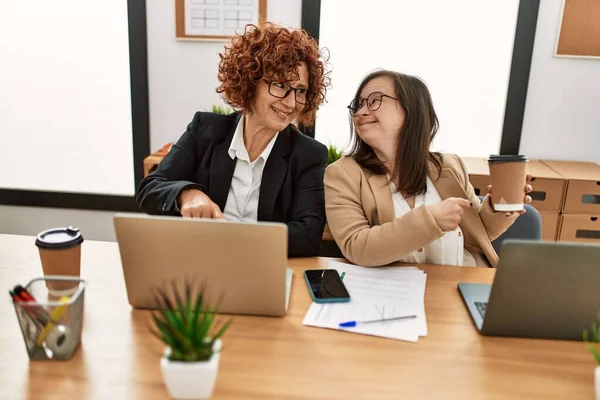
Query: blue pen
x=351 y=324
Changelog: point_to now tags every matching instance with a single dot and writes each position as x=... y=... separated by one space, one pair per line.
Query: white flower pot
x=597 y=382
x=190 y=380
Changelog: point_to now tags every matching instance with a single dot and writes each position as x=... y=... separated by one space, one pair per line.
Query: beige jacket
x=360 y=215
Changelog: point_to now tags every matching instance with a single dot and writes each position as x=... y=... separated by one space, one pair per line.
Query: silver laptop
x=546 y=290
x=242 y=265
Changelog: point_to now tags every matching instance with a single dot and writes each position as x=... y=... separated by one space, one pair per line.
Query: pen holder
x=52 y=324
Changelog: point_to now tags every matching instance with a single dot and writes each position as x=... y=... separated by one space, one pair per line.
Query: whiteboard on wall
x=65 y=97
x=462 y=49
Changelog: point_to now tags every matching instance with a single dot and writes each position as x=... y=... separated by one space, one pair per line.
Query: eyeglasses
x=282 y=90
x=373 y=101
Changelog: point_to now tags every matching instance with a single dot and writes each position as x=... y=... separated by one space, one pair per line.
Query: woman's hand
x=196 y=204
x=527 y=199
x=448 y=213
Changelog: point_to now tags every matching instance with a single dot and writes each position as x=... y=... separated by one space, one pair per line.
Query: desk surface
x=279 y=358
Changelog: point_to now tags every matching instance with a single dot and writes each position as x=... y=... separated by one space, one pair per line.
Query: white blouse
x=243 y=197
x=448 y=249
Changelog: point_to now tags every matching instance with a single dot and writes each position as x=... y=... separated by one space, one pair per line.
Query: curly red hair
x=272 y=52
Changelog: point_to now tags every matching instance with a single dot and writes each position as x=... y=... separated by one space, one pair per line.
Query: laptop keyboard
x=481 y=307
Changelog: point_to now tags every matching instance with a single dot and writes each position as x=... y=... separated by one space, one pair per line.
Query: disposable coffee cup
x=60 y=254
x=508 y=174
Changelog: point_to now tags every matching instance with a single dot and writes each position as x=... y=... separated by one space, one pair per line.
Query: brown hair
x=416 y=134
x=272 y=52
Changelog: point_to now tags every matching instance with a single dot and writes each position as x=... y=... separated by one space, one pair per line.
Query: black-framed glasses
x=282 y=90
x=373 y=101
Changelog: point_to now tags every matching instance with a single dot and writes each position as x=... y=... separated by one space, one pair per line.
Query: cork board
x=216 y=19
x=579 y=32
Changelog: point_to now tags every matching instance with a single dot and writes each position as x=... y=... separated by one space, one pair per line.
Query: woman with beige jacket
x=392 y=200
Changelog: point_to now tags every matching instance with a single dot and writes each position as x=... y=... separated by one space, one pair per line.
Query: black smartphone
x=326 y=286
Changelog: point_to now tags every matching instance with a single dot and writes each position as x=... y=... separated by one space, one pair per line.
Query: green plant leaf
x=170 y=340
x=165 y=303
x=189 y=287
x=221 y=331
x=157 y=299
x=169 y=313
x=175 y=320
x=592 y=345
x=164 y=298
x=205 y=327
x=156 y=333
x=167 y=331
x=215 y=309
x=186 y=322
x=160 y=323
x=204 y=324
x=188 y=292
x=594 y=352
x=197 y=311
x=181 y=309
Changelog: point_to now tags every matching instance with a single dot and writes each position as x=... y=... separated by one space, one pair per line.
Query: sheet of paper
x=330 y=315
x=376 y=294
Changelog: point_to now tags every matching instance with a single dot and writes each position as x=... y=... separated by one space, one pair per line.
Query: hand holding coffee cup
x=510 y=183
x=527 y=200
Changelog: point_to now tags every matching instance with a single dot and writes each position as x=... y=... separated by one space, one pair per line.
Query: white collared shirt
x=244 y=191
x=448 y=249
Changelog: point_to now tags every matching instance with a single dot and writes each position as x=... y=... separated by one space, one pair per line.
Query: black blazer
x=292 y=183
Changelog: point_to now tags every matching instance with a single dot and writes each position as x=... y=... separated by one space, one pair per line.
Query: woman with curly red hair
x=254 y=164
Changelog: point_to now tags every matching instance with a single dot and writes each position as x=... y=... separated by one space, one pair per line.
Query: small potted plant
x=219 y=109
x=189 y=329
x=592 y=346
x=334 y=154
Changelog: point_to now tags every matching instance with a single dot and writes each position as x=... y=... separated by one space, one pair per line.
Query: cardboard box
x=579 y=228
x=548 y=187
x=583 y=186
x=549 y=225
x=479 y=174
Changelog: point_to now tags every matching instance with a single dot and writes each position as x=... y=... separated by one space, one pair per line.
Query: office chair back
x=528 y=226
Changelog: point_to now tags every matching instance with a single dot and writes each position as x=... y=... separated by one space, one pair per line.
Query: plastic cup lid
x=495 y=158
x=59 y=238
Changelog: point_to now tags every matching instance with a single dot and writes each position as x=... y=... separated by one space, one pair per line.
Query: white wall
x=466 y=73
x=183 y=74
x=562 y=115
x=182 y=79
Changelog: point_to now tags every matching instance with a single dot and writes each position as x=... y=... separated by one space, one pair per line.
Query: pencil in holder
x=51 y=320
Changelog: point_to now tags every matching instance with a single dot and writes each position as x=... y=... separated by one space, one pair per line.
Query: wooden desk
x=279 y=358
